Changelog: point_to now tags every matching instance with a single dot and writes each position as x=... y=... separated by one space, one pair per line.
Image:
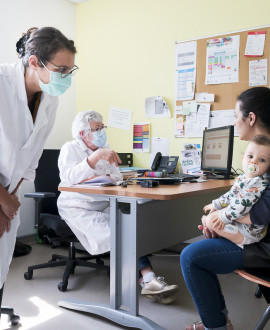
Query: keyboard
x=184 y=176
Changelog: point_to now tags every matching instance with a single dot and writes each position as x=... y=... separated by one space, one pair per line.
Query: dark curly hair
x=44 y=43
x=256 y=100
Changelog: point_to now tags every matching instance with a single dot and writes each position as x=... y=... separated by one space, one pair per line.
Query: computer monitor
x=217 y=151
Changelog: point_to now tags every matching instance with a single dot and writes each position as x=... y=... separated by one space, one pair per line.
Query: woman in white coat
x=29 y=90
x=88 y=216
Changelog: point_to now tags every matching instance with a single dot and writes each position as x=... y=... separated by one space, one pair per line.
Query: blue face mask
x=99 y=138
x=57 y=85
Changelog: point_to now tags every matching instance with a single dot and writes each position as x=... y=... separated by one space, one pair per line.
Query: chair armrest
x=253 y=278
x=40 y=195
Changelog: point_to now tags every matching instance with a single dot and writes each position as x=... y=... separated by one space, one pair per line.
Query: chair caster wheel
x=14 y=319
x=99 y=262
x=28 y=275
x=62 y=287
x=258 y=293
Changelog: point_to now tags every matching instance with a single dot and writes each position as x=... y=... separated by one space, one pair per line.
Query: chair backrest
x=47 y=179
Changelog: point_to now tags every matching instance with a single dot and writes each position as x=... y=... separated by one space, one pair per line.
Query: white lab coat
x=21 y=142
x=87 y=216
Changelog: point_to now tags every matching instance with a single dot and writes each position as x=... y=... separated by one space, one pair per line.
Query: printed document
x=156 y=107
x=185 y=70
x=258 y=72
x=141 y=137
x=159 y=145
x=222 y=60
x=119 y=118
x=255 y=43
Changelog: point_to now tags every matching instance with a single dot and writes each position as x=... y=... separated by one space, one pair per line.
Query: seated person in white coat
x=87 y=156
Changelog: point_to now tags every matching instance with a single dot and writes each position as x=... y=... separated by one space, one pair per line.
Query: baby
x=245 y=192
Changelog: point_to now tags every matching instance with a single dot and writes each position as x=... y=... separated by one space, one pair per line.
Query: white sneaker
x=159 y=290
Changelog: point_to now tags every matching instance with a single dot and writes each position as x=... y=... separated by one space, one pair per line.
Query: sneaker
x=163 y=298
x=158 y=286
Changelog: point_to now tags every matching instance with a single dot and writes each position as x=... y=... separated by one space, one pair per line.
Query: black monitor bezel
x=224 y=171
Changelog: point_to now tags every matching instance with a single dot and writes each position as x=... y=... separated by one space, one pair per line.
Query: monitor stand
x=211 y=175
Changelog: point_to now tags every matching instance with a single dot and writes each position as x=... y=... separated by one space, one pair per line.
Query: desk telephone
x=167 y=163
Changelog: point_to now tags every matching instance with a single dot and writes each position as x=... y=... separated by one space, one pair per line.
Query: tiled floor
x=36 y=300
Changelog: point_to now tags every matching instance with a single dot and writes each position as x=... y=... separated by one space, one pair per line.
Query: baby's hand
x=218 y=224
x=209 y=207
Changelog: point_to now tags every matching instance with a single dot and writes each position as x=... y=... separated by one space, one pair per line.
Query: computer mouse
x=124 y=184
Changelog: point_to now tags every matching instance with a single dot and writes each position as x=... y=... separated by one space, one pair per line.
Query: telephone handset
x=167 y=163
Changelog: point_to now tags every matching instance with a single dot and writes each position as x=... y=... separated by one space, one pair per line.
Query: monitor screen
x=217 y=150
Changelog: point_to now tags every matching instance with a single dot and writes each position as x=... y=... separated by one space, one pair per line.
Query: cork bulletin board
x=227 y=93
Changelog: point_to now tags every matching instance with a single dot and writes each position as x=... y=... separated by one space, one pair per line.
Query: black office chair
x=12 y=317
x=49 y=224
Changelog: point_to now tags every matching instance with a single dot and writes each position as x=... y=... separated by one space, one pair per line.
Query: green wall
x=126 y=53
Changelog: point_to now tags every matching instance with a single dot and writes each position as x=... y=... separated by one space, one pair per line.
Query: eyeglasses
x=63 y=71
x=97 y=129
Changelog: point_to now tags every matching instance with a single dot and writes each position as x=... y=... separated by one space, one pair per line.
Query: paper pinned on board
x=188 y=107
x=204 y=97
x=156 y=107
x=258 y=72
x=222 y=60
x=119 y=118
x=255 y=43
x=185 y=70
x=219 y=118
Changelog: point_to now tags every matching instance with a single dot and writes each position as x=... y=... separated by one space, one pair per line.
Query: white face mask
x=99 y=138
x=57 y=85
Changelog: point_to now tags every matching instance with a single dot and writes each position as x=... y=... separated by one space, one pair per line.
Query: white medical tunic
x=21 y=143
x=87 y=215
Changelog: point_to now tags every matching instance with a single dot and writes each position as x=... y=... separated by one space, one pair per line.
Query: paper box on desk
x=191 y=161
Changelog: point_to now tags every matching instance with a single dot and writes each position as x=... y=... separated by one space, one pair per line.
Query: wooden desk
x=163 y=192
x=143 y=220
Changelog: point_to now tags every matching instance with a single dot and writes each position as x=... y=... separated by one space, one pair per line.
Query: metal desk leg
x=123 y=274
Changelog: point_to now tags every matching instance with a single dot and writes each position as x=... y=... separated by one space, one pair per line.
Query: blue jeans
x=201 y=262
x=143 y=263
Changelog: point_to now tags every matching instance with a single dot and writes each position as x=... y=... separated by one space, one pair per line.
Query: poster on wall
x=141 y=137
x=222 y=60
x=185 y=70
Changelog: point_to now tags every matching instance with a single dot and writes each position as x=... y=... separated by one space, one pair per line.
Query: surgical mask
x=99 y=138
x=57 y=85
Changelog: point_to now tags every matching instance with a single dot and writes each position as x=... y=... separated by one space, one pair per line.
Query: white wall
x=16 y=17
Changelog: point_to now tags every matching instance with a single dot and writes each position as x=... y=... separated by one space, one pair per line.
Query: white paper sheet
x=204 y=97
x=185 y=70
x=98 y=181
x=119 y=118
x=222 y=60
x=156 y=107
x=219 y=118
x=159 y=145
x=255 y=43
x=258 y=72
x=196 y=122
